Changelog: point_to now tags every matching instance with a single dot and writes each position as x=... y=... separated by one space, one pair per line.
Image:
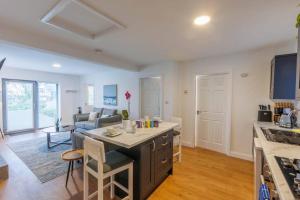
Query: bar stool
x=71 y=156
x=178 y=134
x=102 y=166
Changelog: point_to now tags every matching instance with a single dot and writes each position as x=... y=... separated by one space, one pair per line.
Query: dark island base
x=153 y=163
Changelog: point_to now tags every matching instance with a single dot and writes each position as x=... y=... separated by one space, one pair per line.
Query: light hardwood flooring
x=203 y=174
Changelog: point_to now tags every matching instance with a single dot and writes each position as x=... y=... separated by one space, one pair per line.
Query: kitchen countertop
x=129 y=140
x=272 y=149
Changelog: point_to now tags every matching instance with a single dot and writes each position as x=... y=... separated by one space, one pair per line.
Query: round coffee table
x=61 y=129
x=71 y=156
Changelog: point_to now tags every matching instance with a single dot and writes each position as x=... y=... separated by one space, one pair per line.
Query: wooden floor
x=202 y=174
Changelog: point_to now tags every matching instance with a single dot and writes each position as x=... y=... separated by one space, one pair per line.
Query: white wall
x=69 y=101
x=169 y=71
x=130 y=81
x=125 y=80
x=247 y=93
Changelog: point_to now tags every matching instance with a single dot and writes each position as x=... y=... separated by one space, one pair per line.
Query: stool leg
x=72 y=167
x=100 y=187
x=130 y=181
x=68 y=173
x=85 y=183
x=112 y=187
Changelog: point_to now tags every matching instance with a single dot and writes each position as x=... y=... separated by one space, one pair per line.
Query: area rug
x=45 y=164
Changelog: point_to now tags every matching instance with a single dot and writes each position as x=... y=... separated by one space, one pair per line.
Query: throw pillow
x=93 y=116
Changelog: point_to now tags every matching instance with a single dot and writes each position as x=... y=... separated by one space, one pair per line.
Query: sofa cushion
x=89 y=125
x=93 y=116
x=80 y=124
x=109 y=112
x=114 y=160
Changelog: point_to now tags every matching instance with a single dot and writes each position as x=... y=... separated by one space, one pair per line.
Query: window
x=90 y=95
x=29 y=105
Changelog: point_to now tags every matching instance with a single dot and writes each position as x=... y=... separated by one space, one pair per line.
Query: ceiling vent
x=77 y=17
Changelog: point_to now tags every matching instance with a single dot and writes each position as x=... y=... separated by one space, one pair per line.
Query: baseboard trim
x=188 y=144
x=242 y=156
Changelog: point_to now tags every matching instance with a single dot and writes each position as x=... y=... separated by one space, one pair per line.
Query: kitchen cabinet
x=283 y=77
x=153 y=162
x=147 y=173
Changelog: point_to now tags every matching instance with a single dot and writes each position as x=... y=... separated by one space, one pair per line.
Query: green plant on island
x=298 y=21
x=125 y=115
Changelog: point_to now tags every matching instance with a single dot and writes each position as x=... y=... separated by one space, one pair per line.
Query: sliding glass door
x=28 y=105
x=48 y=104
x=19 y=105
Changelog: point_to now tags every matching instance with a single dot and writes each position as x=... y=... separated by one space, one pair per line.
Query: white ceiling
x=160 y=30
x=32 y=59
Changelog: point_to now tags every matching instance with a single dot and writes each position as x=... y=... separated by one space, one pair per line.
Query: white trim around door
x=211 y=117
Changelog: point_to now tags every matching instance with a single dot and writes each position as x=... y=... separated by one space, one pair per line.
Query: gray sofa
x=106 y=117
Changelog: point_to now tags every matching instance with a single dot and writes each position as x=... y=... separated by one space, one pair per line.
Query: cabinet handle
x=164 y=161
x=165 y=136
x=164 y=144
x=153 y=145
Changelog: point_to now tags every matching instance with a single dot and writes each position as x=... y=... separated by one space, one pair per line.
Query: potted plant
x=125 y=119
x=128 y=96
x=298 y=21
x=57 y=124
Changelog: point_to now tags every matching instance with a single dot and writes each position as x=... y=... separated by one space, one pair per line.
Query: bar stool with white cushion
x=178 y=134
x=102 y=166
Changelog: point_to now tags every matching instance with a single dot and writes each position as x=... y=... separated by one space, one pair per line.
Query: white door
x=212 y=108
x=150 y=97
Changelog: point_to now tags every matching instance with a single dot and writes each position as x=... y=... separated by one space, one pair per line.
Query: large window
x=90 y=95
x=29 y=105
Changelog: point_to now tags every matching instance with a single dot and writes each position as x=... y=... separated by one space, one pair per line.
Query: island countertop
x=129 y=140
x=272 y=149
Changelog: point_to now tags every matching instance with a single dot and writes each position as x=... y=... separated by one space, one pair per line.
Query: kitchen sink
x=282 y=136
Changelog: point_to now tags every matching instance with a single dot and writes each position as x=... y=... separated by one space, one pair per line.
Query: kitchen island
x=270 y=150
x=152 y=152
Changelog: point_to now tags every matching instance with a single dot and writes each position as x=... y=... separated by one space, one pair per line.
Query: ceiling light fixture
x=56 y=65
x=201 y=20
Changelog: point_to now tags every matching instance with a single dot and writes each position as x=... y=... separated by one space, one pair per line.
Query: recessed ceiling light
x=56 y=65
x=201 y=20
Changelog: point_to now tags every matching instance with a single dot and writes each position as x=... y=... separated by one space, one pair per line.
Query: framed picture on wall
x=110 y=95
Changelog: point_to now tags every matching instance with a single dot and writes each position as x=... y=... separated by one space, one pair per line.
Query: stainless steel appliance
x=291 y=171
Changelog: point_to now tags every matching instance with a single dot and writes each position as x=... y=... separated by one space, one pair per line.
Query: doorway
x=213 y=112
x=151 y=97
x=28 y=105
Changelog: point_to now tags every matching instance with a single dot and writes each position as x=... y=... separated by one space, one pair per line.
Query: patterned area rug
x=45 y=164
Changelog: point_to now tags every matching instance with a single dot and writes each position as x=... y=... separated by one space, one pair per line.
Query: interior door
x=212 y=97
x=19 y=105
x=151 y=97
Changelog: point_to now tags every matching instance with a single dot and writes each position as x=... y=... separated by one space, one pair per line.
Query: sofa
x=105 y=117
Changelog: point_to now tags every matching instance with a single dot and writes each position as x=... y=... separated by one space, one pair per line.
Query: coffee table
x=53 y=130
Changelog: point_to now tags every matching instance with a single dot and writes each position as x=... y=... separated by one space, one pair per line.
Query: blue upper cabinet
x=283 y=77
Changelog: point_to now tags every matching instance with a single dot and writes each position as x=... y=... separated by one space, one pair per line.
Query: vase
x=129 y=126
